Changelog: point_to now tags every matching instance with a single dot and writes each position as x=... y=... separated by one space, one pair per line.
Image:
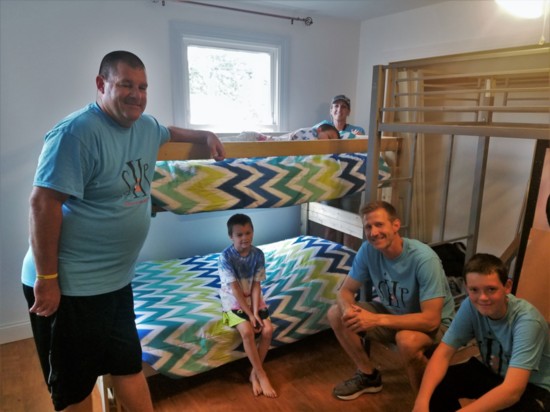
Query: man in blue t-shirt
x=413 y=308
x=513 y=372
x=89 y=216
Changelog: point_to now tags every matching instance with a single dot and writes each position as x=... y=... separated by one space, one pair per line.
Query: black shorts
x=262 y=313
x=472 y=379
x=89 y=336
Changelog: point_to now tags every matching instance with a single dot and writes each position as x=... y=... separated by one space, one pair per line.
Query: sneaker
x=358 y=385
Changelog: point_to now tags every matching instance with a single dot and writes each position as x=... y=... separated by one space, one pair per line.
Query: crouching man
x=415 y=303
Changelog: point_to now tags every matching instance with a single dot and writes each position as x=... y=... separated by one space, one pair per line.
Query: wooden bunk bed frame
x=186 y=151
x=502 y=93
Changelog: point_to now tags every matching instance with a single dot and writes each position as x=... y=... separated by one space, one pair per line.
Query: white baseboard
x=14 y=332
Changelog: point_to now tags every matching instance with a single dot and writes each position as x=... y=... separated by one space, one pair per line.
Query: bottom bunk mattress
x=178 y=310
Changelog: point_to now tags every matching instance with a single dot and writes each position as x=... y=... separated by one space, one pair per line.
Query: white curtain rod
x=308 y=21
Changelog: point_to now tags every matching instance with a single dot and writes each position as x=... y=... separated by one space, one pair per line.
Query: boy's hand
x=257 y=323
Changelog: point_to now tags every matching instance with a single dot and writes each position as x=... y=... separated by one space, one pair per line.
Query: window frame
x=183 y=34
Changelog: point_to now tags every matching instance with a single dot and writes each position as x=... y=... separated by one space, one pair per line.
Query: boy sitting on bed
x=241 y=267
x=321 y=132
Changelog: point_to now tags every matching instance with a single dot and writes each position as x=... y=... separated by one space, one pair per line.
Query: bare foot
x=267 y=389
x=256 y=387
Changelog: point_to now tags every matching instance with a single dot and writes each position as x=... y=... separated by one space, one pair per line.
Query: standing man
x=414 y=306
x=513 y=373
x=89 y=216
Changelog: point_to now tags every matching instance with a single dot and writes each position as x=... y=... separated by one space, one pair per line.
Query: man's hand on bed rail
x=217 y=151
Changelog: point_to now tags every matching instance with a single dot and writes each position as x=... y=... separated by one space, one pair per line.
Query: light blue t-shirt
x=404 y=282
x=520 y=339
x=232 y=267
x=347 y=133
x=106 y=170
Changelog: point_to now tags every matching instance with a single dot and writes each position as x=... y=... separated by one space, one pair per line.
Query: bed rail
x=185 y=151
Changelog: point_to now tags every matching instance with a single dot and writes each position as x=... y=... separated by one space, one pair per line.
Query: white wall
x=449 y=28
x=49 y=56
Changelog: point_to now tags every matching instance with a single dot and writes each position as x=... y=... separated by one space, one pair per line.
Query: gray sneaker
x=358 y=385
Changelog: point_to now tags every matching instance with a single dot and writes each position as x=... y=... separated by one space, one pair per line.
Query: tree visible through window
x=230 y=90
x=228 y=80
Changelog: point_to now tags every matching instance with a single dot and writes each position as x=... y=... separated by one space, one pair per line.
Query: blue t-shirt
x=404 y=282
x=520 y=339
x=347 y=133
x=106 y=170
x=232 y=267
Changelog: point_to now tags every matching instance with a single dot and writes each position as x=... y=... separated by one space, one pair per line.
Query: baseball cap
x=342 y=98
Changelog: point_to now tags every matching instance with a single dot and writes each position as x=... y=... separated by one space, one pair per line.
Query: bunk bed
x=178 y=312
x=436 y=103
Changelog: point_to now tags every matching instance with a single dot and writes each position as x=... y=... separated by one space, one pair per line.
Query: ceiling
x=358 y=10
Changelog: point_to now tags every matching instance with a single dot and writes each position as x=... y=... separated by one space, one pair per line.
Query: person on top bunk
x=340 y=109
x=413 y=308
x=241 y=267
x=321 y=132
x=90 y=211
x=513 y=373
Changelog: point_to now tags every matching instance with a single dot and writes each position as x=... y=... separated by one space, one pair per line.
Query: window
x=227 y=81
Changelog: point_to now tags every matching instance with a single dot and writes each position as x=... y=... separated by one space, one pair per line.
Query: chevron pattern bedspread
x=193 y=186
x=178 y=311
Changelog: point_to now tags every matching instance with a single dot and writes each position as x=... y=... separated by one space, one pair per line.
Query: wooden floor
x=303 y=374
x=22 y=387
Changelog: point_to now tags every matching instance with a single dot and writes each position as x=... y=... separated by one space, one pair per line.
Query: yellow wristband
x=47 y=277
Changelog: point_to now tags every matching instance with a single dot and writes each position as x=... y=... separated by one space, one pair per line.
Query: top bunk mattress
x=193 y=186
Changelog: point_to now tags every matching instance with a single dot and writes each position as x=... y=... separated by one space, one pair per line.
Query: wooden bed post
x=477 y=195
x=375 y=136
x=539 y=154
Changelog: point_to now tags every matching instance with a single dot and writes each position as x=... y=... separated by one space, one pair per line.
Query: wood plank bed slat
x=180 y=151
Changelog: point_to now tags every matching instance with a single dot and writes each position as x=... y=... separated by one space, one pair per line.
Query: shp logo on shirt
x=392 y=293
x=136 y=181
